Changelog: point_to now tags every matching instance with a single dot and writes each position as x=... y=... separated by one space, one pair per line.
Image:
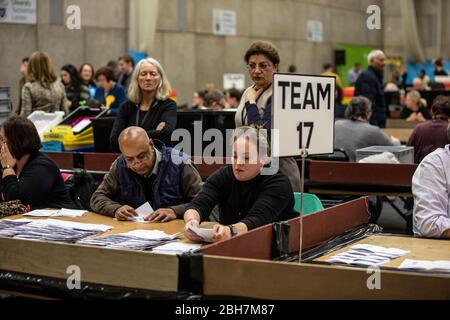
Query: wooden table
x=421 y=249
x=100 y=267
x=401 y=133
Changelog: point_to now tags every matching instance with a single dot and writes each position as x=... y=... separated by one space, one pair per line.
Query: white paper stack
x=69 y=213
x=425 y=265
x=132 y=240
x=367 y=255
x=176 y=248
x=53 y=230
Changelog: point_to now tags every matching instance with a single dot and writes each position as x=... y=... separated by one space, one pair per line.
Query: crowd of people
x=150 y=170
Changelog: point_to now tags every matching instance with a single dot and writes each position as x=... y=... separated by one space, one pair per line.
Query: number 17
x=309 y=125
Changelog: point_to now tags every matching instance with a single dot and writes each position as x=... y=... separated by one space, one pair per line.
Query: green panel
x=353 y=54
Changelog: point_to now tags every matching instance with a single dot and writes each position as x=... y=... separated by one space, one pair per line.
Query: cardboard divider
x=318 y=228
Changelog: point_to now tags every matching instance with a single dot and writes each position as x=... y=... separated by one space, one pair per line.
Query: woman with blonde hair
x=148 y=105
x=42 y=90
x=415 y=108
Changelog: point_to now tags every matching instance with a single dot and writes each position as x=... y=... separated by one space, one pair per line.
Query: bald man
x=370 y=85
x=147 y=171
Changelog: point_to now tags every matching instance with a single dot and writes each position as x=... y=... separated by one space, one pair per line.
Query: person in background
x=431 y=191
x=87 y=73
x=354 y=73
x=214 y=100
x=198 y=100
x=400 y=75
x=355 y=132
x=42 y=90
x=292 y=68
x=431 y=135
x=28 y=175
x=232 y=98
x=329 y=71
x=23 y=71
x=415 y=108
x=247 y=199
x=109 y=93
x=370 y=85
x=425 y=80
x=417 y=84
x=255 y=108
x=126 y=67
x=147 y=171
x=76 y=91
x=148 y=105
x=439 y=68
x=114 y=66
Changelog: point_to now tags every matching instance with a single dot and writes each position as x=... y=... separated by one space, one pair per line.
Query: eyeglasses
x=264 y=66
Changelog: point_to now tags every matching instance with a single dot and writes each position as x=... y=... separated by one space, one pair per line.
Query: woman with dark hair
x=262 y=60
x=246 y=196
x=42 y=91
x=109 y=93
x=431 y=135
x=28 y=175
x=76 y=91
x=87 y=73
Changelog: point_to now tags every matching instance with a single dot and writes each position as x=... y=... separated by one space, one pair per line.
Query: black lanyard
x=146 y=114
x=244 y=117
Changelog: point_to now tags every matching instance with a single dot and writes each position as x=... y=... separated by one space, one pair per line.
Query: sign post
x=303 y=115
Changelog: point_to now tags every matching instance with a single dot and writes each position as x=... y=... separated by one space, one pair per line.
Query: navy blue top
x=117 y=91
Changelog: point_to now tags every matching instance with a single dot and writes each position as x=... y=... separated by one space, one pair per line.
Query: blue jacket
x=166 y=187
x=117 y=91
x=370 y=85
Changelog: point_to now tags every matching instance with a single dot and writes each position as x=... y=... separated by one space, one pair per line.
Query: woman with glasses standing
x=148 y=105
x=255 y=107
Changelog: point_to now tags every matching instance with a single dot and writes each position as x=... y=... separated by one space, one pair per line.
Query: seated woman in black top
x=415 y=108
x=247 y=196
x=148 y=105
x=28 y=175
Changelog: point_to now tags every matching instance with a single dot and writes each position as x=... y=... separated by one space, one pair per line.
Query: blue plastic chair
x=312 y=203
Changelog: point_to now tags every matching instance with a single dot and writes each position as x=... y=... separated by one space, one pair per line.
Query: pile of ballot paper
x=176 y=248
x=425 y=265
x=367 y=255
x=133 y=240
x=50 y=230
x=69 y=213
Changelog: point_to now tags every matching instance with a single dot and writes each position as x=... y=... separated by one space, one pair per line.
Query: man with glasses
x=147 y=171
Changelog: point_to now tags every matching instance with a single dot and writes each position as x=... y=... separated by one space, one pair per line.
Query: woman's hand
x=221 y=233
x=160 y=126
x=420 y=117
x=189 y=233
x=253 y=94
x=412 y=117
x=6 y=157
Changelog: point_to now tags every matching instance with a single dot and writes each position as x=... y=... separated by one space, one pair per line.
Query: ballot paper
x=206 y=234
x=426 y=265
x=133 y=240
x=52 y=230
x=6 y=223
x=70 y=213
x=176 y=248
x=367 y=255
x=144 y=210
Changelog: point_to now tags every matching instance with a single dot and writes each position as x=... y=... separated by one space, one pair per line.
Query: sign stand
x=303 y=154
